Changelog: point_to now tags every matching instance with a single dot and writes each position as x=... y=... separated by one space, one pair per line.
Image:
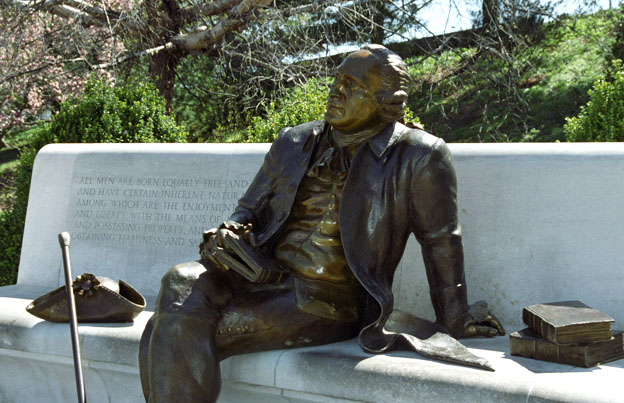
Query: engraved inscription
x=156 y=211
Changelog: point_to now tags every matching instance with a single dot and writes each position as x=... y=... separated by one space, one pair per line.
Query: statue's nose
x=337 y=89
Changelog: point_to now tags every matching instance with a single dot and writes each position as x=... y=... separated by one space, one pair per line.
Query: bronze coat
x=401 y=181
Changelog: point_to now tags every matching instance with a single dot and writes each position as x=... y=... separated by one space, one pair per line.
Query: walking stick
x=73 y=318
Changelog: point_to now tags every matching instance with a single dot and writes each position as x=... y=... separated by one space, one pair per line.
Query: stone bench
x=542 y=222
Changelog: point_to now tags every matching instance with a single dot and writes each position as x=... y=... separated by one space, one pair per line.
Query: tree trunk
x=162 y=69
x=378 y=32
x=163 y=17
x=491 y=15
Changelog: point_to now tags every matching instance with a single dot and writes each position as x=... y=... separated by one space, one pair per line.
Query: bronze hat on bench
x=98 y=299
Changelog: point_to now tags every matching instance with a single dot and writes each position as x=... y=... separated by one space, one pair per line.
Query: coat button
x=280 y=216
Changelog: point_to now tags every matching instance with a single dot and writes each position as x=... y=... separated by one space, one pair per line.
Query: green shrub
x=301 y=104
x=12 y=220
x=602 y=118
x=128 y=113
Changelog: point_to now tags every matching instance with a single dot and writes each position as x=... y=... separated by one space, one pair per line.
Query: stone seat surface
x=542 y=222
x=334 y=372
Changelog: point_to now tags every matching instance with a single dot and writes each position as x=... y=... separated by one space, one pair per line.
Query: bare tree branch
x=304 y=9
x=125 y=58
x=195 y=12
x=204 y=37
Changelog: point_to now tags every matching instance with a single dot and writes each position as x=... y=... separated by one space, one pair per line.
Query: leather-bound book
x=250 y=262
x=527 y=343
x=568 y=322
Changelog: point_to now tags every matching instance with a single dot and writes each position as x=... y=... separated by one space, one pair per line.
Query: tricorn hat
x=98 y=299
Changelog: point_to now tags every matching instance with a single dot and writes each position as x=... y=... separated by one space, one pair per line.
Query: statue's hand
x=479 y=321
x=214 y=239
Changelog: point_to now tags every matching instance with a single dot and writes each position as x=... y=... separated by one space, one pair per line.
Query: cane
x=73 y=319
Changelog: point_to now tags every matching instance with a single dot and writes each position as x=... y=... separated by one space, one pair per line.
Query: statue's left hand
x=479 y=321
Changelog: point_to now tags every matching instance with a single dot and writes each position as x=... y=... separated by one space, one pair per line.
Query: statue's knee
x=193 y=283
x=178 y=284
x=182 y=274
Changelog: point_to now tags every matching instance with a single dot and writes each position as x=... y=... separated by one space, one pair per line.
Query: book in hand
x=568 y=322
x=527 y=343
x=248 y=261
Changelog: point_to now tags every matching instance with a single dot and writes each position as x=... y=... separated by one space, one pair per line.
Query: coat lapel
x=382 y=142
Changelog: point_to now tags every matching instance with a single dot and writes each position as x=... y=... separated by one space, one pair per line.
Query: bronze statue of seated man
x=333 y=204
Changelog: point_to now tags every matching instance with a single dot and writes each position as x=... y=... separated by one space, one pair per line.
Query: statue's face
x=351 y=106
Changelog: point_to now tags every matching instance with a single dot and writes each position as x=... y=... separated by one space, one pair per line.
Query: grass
x=8 y=160
x=464 y=98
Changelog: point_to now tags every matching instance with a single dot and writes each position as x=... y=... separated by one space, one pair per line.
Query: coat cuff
x=453 y=309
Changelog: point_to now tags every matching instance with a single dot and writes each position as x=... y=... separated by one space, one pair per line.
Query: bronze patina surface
x=333 y=203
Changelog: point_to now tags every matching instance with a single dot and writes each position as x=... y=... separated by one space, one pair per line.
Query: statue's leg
x=178 y=356
x=144 y=357
x=205 y=315
x=268 y=319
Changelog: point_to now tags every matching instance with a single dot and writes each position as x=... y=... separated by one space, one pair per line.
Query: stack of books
x=567 y=332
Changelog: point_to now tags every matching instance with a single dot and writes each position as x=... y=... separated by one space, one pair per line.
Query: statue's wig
x=395 y=82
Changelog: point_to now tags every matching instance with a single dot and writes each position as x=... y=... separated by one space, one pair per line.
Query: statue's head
x=370 y=88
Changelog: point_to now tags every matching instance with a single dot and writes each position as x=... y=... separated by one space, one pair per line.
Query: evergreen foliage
x=602 y=118
x=128 y=113
x=203 y=103
x=301 y=104
x=12 y=221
